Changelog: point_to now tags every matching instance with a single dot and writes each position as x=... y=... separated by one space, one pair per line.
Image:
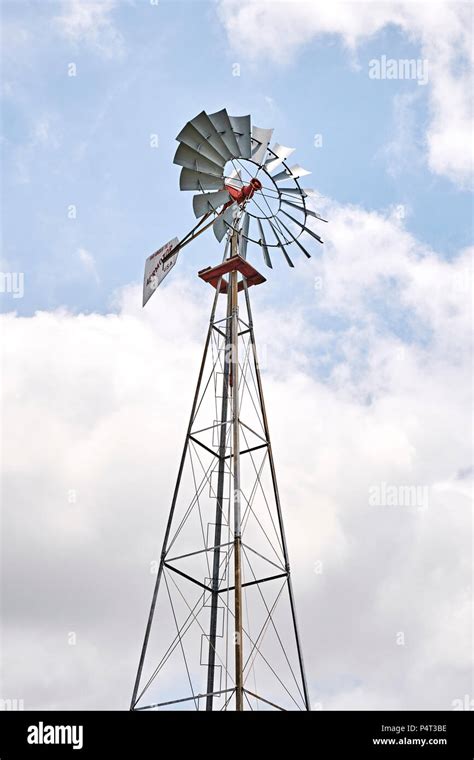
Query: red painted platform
x=212 y=274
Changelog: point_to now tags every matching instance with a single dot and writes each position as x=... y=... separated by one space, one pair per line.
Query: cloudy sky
x=367 y=375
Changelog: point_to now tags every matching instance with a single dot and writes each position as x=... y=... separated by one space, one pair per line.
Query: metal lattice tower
x=222 y=632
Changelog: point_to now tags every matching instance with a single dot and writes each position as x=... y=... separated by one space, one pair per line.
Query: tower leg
x=219 y=511
x=173 y=504
x=239 y=684
x=277 y=500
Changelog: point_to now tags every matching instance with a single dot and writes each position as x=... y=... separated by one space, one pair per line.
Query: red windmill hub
x=245 y=193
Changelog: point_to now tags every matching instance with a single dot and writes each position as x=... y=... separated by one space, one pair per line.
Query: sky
x=366 y=348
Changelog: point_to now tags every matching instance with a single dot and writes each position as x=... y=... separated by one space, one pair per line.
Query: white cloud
x=279 y=30
x=401 y=274
x=90 y=23
x=98 y=405
x=405 y=150
x=89 y=263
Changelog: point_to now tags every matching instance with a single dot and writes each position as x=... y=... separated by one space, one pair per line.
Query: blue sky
x=85 y=140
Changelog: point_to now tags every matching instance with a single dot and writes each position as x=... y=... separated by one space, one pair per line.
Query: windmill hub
x=244 y=194
x=252 y=189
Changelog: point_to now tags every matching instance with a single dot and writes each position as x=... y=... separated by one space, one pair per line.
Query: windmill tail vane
x=242 y=185
x=222 y=631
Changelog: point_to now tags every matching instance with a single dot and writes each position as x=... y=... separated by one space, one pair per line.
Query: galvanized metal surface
x=218 y=150
x=157 y=266
x=223 y=127
x=204 y=125
x=189 y=135
x=294 y=172
x=260 y=140
x=205 y=202
x=238 y=629
x=242 y=129
x=222 y=225
x=263 y=243
x=190 y=179
x=278 y=153
x=192 y=159
x=171 y=513
x=219 y=513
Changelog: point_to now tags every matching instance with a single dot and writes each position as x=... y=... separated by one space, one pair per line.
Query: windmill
x=222 y=632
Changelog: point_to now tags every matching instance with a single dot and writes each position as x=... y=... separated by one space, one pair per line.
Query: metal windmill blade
x=193 y=179
x=206 y=128
x=223 y=223
x=190 y=136
x=278 y=153
x=295 y=172
x=192 y=159
x=263 y=243
x=260 y=141
x=241 y=185
x=221 y=122
x=242 y=129
x=203 y=203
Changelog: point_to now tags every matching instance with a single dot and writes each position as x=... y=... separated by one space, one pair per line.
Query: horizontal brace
x=246 y=451
x=209 y=427
x=203 y=445
x=218 y=321
x=254 y=432
x=278 y=567
x=201 y=551
x=219 y=331
x=186 y=699
x=253 y=583
x=267 y=701
x=188 y=577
